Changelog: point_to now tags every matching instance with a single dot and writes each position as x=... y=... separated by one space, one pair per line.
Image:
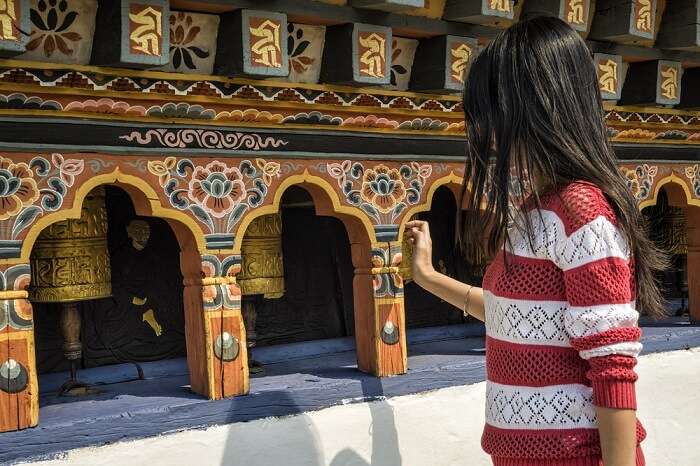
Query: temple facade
x=190 y=177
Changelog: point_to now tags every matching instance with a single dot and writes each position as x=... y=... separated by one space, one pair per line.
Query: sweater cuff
x=617 y=394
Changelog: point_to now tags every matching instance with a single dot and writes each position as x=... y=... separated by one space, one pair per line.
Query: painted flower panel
x=217 y=188
x=18 y=189
x=61 y=31
x=192 y=42
x=305 y=48
x=402 y=55
x=383 y=188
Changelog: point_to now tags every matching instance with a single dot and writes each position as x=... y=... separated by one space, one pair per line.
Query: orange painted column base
x=19 y=390
x=380 y=324
x=217 y=354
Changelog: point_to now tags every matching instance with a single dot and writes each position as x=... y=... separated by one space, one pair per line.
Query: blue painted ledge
x=298 y=378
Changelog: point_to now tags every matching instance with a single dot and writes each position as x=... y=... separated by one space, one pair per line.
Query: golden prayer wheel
x=70 y=260
x=406 y=267
x=673 y=231
x=70 y=263
x=262 y=271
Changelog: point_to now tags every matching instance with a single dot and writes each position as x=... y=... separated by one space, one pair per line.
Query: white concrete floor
x=438 y=428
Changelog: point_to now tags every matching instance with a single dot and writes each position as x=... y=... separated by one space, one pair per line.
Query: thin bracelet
x=465 y=311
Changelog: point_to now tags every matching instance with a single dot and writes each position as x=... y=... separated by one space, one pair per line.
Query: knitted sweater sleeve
x=601 y=321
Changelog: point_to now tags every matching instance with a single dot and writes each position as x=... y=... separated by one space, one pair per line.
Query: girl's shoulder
x=579 y=203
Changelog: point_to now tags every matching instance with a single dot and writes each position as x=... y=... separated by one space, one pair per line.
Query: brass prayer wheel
x=70 y=263
x=262 y=271
x=70 y=259
x=406 y=267
x=673 y=230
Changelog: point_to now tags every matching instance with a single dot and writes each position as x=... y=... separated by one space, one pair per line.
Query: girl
x=571 y=261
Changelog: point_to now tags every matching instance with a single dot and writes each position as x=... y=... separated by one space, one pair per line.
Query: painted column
x=19 y=393
x=693 y=219
x=216 y=339
x=380 y=324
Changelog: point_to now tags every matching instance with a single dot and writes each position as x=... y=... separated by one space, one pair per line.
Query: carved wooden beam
x=132 y=33
x=490 y=12
x=441 y=63
x=577 y=13
x=313 y=12
x=252 y=43
x=14 y=27
x=369 y=60
x=680 y=26
x=388 y=5
x=610 y=72
x=655 y=82
x=625 y=21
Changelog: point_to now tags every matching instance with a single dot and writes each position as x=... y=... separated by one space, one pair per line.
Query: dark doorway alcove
x=318 y=274
x=668 y=229
x=144 y=318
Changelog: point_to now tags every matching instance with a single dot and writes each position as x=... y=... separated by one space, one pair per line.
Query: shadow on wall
x=298 y=442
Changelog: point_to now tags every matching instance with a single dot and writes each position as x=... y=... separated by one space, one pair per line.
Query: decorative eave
x=40 y=89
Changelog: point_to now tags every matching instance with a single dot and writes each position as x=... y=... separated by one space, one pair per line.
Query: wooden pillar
x=217 y=355
x=380 y=323
x=693 y=219
x=19 y=393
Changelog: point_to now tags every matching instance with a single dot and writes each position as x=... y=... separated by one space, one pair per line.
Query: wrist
x=424 y=276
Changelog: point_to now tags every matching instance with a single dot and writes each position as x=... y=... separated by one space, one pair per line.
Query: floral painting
x=402 y=55
x=382 y=192
x=192 y=42
x=62 y=31
x=305 y=48
x=640 y=180
x=217 y=194
x=28 y=190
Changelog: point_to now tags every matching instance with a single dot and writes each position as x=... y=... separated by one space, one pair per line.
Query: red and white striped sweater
x=561 y=334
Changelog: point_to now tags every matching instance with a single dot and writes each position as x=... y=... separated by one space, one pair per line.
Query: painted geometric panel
x=668 y=91
x=371 y=54
x=14 y=18
x=305 y=48
x=609 y=69
x=402 y=55
x=62 y=31
x=192 y=42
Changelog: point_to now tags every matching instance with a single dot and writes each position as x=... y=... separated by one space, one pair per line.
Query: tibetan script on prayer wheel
x=70 y=260
x=262 y=271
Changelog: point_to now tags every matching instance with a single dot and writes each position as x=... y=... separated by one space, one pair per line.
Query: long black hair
x=532 y=107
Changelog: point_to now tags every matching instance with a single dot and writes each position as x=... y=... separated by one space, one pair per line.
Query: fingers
x=420 y=225
x=416 y=230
